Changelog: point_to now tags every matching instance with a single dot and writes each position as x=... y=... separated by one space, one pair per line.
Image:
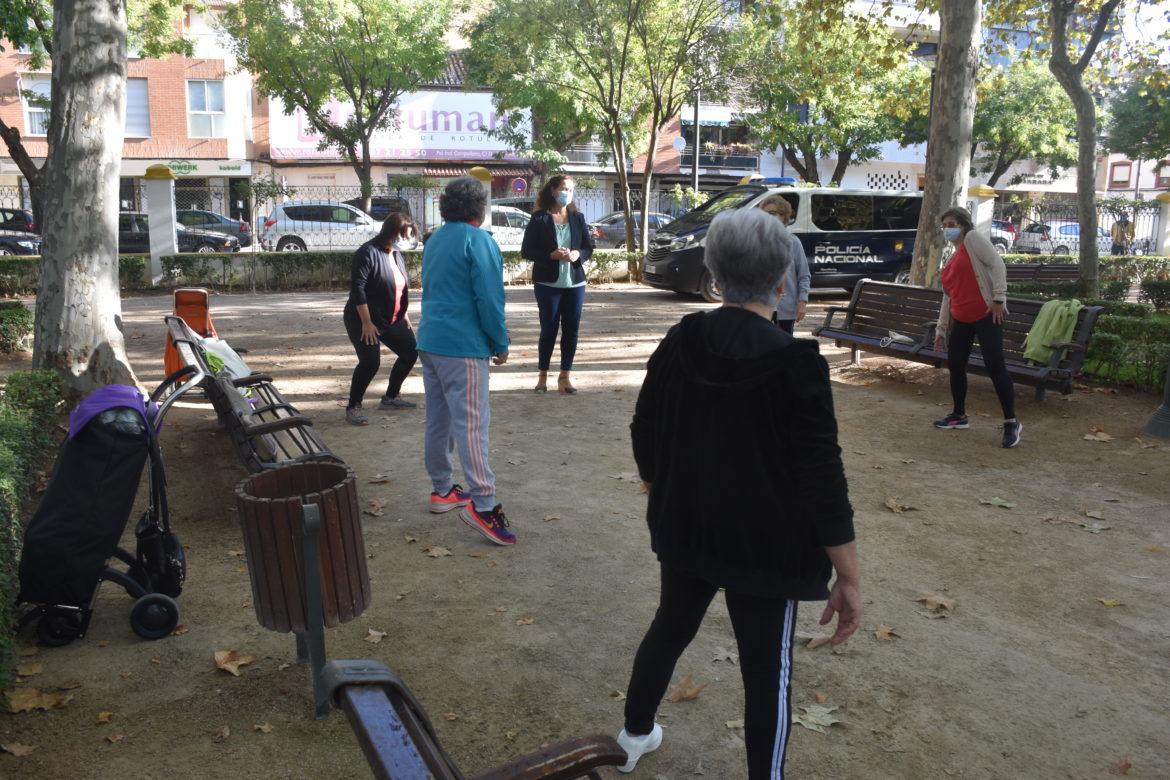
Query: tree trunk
x=364 y=170
x=948 y=162
x=618 y=145
x=28 y=168
x=78 y=329
x=844 y=157
x=806 y=165
x=647 y=183
x=1070 y=76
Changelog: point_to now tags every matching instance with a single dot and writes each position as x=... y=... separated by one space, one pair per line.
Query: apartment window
x=36 y=107
x=205 y=116
x=1162 y=175
x=1119 y=174
x=137 y=109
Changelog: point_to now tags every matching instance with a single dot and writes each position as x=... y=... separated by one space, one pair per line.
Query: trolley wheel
x=59 y=627
x=154 y=616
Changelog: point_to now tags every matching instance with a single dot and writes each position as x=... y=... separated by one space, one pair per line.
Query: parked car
x=216 y=223
x=847 y=235
x=1003 y=234
x=298 y=225
x=609 y=232
x=526 y=203
x=17 y=219
x=134 y=237
x=508 y=226
x=16 y=242
x=382 y=206
x=1057 y=237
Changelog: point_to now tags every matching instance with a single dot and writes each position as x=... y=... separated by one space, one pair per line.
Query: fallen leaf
x=410 y=539
x=995 y=501
x=104 y=643
x=235 y=553
x=1097 y=436
x=686 y=690
x=476 y=555
x=820 y=697
x=29 y=669
x=69 y=686
x=908 y=461
x=1156 y=548
x=722 y=654
x=525 y=620
x=935 y=603
x=222 y=734
x=125 y=675
x=501 y=609
x=29 y=699
x=27 y=652
x=511 y=735
x=1094 y=528
x=374 y=636
x=435 y=551
x=180 y=630
x=551 y=518
x=104 y=717
x=17 y=749
x=113 y=738
x=627 y=476
x=451 y=716
x=1124 y=766
x=886 y=633
x=263 y=728
x=231 y=660
x=817 y=717
x=1095 y=514
x=155 y=660
x=282 y=667
x=734 y=724
x=617 y=696
x=379 y=479
x=818 y=641
x=1111 y=603
x=894 y=505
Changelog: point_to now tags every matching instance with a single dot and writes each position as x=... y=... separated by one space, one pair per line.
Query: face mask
x=403 y=244
x=952 y=233
x=564 y=197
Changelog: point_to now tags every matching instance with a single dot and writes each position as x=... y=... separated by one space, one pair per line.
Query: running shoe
x=636 y=747
x=452 y=499
x=1011 y=433
x=491 y=524
x=355 y=416
x=397 y=402
x=952 y=421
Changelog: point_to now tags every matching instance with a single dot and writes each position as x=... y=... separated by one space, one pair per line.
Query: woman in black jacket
x=375 y=314
x=557 y=243
x=735 y=437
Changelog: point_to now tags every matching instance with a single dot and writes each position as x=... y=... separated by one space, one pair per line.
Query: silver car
x=1057 y=237
x=609 y=232
x=298 y=225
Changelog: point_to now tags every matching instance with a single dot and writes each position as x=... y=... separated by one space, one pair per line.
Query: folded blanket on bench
x=1054 y=324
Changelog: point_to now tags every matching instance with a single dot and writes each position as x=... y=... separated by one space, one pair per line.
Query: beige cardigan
x=990 y=273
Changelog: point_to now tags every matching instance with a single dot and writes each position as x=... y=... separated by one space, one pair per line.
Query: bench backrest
x=1042 y=272
x=880 y=307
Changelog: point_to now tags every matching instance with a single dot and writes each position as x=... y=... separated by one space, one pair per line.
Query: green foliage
x=1122 y=308
x=28 y=411
x=132 y=272
x=19 y=275
x=16 y=326
x=1131 y=350
x=1139 y=125
x=856 y=78
x=1044 y=291
x=688 y=197
x=1157 y=292
x=352 y=61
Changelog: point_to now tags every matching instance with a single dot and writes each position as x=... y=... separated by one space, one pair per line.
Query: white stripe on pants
x=783 y=704
x=458 y=415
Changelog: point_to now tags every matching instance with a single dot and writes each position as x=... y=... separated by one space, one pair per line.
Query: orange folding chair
x=194 y=306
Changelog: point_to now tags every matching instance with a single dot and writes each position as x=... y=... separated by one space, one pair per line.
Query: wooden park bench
x=878 y=309
x=266 y=430
x=399 y=741
x=1043 y=272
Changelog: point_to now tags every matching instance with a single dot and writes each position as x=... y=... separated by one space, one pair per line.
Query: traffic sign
x=519 y=186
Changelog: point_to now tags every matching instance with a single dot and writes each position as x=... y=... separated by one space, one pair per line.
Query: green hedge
x=1127 y=268
x=1064 y=290
x=28 y=411
x=1130 y=350
x=1157 y=292
x=16 y=326
x=19 y=275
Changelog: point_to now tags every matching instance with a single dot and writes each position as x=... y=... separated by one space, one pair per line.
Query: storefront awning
x=447 y=171
x=708 y=115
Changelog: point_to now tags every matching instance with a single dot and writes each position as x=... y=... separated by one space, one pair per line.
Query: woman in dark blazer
x=375 y=314
x=557 y=243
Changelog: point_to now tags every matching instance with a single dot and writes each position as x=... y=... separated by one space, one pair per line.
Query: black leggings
x=959 y=344
x=764 y=630
x=400 y=340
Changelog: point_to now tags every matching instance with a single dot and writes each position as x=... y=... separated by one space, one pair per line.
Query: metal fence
x=1129 y=227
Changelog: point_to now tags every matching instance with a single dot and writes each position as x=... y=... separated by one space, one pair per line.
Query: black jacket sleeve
x=642 y=429
x=359 y=274
x=534 y=248
x=822 y=499
x=587 y=246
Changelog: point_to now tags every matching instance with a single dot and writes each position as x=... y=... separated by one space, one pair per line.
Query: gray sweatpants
x=458 y=414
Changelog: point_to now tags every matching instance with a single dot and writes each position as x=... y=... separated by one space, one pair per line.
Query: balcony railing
x=741 y=162
x=588 y=154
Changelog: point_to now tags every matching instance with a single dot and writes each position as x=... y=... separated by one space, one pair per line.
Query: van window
x=518 y=220
x=896 y=213
x=299 y=213
x=725 y=201
x=499 y=219
x=842 y=212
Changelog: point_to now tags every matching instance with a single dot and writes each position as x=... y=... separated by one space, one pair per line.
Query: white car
x=508 y=226
x=322 y=225
x=1057 y=237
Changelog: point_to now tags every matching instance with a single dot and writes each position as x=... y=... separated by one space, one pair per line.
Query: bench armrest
x=272 y=426
x=829 y=313
x=570 y=758
x=1072 y=346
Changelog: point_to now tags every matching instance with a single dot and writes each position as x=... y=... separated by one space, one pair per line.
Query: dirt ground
x=1030 y=675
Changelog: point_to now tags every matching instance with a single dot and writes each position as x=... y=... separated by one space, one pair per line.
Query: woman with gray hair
x=735 y=438
x=462 y=327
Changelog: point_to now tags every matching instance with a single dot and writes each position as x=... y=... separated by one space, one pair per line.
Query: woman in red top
x=975 y=285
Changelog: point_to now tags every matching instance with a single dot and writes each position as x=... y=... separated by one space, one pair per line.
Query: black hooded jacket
x=734 y=429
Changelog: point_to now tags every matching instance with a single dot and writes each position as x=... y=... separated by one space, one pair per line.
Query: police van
x=848 y=235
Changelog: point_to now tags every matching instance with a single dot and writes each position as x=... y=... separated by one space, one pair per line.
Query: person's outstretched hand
x=845 y=602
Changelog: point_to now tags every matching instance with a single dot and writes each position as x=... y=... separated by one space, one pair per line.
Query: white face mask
x=403 y=244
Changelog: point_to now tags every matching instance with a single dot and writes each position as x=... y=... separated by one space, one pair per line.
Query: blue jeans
x=560 y=309
x=458 y=415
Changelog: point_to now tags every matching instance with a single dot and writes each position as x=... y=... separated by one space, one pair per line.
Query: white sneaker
x=636 y=747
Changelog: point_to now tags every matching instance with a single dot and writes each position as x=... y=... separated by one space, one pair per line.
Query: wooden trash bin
x=271 y=517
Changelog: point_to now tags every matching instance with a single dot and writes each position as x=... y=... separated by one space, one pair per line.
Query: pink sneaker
x=453 y=499
x=491 y=524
